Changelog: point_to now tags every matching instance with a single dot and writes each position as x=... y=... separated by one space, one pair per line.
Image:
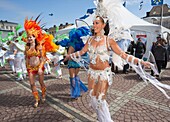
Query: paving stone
x=129 y=100
x=15 y=112
x=148 y=114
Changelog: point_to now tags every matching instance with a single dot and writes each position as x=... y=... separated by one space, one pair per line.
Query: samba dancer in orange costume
x=38 y=43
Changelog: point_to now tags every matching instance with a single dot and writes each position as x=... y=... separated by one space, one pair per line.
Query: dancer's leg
x=82 y=86
x=72 y=72
x=43 y=87
x=75 y=86
x=100 y=89
x=34 y=90
x=93 y=100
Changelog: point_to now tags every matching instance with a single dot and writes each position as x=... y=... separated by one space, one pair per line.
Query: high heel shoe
x=36 y=103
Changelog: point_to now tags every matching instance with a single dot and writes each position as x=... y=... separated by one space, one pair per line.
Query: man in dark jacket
x=140 y=49
x=159 y=51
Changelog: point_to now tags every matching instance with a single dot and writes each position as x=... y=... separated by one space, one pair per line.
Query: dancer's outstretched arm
x=128 y=58
x=78 y=53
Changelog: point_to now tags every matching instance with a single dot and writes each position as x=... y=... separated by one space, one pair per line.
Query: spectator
x=130 y=51
x=131 y=47
x=159 y=51
x=140 y=49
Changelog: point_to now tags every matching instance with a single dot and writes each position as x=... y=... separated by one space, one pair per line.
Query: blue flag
x=156 y=2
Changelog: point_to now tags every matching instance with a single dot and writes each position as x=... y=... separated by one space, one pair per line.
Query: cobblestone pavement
x=129 y=99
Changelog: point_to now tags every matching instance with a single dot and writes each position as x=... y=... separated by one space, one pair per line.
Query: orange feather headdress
x=32 y=28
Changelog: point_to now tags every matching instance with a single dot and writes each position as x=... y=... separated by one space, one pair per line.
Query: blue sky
x=63 y=10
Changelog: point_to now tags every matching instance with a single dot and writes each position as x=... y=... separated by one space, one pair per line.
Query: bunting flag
x=124 y=4
x=156 y=2
x=141 y=4
x=85 y=16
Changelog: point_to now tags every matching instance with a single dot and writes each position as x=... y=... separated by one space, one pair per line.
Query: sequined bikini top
x=31 y=53
x=99 y=51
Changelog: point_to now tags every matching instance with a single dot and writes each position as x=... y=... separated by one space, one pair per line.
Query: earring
x=102 y=32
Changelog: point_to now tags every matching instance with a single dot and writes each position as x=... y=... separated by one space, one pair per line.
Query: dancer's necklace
x=98 y=38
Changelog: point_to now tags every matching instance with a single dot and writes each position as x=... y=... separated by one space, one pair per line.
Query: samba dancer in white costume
x=98 y=46
x=2 y=59
x=56 y=69
x=10 y=56
x=3 y=50
x=47 y=65
x=19 y=61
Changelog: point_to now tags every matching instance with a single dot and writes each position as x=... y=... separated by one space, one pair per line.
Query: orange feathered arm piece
x=48 y=43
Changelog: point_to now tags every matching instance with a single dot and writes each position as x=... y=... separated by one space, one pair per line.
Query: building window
x=11 y=27
x=6 y=27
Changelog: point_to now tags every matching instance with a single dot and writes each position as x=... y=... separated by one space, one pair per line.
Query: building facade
x=6 y=27
x=52 y=30
x=159 y=15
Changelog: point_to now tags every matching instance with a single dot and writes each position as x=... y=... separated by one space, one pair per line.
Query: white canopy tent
x=138 y=27
x=88 y=20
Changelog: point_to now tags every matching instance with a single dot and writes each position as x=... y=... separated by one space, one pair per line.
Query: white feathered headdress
x=100 y=10
x=109 y=10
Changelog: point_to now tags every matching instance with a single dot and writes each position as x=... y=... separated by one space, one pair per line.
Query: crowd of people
x=158 y=49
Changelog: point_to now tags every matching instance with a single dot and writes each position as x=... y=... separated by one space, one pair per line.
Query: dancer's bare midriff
x=100 y=65
x=34 y=61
